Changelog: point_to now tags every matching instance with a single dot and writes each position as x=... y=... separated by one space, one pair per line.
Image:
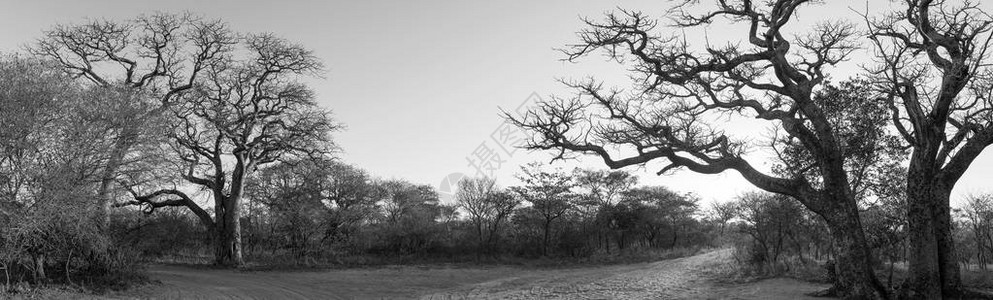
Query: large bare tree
x=243 y=113
x=932 y=62
x=156 y=57
x=679 y=92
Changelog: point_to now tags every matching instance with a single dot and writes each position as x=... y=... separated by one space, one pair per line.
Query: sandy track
x=683 y=278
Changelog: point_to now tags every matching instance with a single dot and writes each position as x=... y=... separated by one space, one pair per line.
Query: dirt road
x=683 y=278
x=672 y=279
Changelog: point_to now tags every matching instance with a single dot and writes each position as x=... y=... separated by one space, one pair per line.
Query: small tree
x=550 y=195
x=672 y=210
x=313 y=200
x=410 y=214
x=722 y=213
x=604 y=187
x=486 y=205
x=771 y=221
x=598 y=191
x=350 y=194
x=978 y=215
x=290 y=195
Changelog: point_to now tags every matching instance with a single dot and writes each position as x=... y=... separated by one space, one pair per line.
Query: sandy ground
x=684 y=278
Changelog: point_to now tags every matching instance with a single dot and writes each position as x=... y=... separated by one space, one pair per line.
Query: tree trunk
x=495 y=234
x=228 y=250
x=544 y=243
x=675 y=237
x=951 y=280
x=934 y=272
x=39 y=268
x=227 y=237
x=121 y=146
x=479 y=235
x=855 y=277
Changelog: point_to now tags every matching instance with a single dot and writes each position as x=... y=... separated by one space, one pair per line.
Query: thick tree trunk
x=951 y=280
x=227 y=237
x=228 y=250
x=934 y=271
x=853 y=266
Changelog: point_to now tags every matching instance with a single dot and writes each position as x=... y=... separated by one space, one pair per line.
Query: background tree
x=671 y=211
x=244 y=114
x=604 y=187
x=486 y=206
x=550 y=195
x=599 y=191
x=771 y=220
x=350 y=194
x=978 y=222
x=780 y=234
x=722 y=212
x=677 y=90
x=931 y=61
x=291 y=195
x=409 y=217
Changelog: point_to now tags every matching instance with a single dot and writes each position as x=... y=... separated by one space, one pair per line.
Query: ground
x=683 y=278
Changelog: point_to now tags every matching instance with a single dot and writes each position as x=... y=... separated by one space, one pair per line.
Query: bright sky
x=419 y=83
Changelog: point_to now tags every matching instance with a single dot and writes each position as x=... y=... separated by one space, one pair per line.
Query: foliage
x=974 y=232
x=49 y=169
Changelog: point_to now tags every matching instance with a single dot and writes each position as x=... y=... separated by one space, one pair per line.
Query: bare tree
x=486 y=205
x=472 y=196
x=352 y=198
x=550 y=195
x=671 y=209
x=604 y=187
x=680 y=90
x=160 y=56
x=242 y=115
x=52 y=147
x=400 y=199
x=410 y=214
x=931 y=60
x=599 y=191
x=722 y=213
x=978 y=214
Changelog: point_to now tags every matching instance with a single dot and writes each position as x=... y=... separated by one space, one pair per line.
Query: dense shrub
x=311 y=213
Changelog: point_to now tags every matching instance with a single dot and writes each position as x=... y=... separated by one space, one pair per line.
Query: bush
x=67 y=247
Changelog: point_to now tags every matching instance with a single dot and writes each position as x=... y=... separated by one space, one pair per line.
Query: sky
x=420 y=84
